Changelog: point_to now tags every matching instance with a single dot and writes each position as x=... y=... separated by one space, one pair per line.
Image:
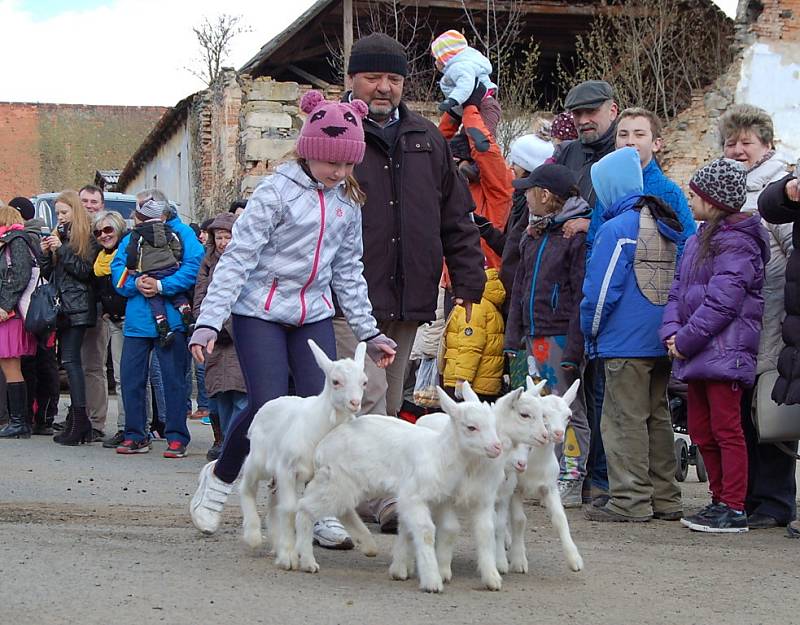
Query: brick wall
x=50 y=147
x=19 y=150
x=779 y=20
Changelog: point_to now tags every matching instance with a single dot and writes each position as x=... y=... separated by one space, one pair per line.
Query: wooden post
x=347 y=25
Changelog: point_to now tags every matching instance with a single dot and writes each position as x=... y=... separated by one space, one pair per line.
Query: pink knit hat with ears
x=332 y=131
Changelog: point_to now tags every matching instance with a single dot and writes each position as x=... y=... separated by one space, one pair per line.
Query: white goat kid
x=374 y=456
x=519 y=422
x=283 y=437
x=540 y=480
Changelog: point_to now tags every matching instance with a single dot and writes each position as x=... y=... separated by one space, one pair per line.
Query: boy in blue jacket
x=628 y=277
x=141 y=337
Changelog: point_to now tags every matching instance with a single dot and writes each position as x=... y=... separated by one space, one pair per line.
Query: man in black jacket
x=416 y=214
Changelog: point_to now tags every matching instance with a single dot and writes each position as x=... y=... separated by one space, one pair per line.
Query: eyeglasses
x=106 y=230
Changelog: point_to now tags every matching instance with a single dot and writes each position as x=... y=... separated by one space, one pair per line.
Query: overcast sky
x=125 y=51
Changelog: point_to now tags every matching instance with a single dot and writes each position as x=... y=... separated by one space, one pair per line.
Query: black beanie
x=378 y=52
x=24 y=206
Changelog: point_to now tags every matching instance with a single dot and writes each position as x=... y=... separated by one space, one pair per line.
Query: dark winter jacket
x=547 y=289
x=776 y=208
x=715 y=309
x=72 y=275
x=223 y=372
x=153 y=246
x=16 y=264
x=111 y=302
x=416 y=214
x=580 y=157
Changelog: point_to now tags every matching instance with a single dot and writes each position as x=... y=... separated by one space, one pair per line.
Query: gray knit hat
x=722 y=183
x=378 y=52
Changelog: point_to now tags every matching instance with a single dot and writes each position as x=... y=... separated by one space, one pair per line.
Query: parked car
x=124 y=204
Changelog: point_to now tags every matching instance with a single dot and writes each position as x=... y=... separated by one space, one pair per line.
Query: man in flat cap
x=592 y=105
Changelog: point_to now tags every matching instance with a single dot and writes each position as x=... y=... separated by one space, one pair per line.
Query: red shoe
x=175 y=449
x=133 y=447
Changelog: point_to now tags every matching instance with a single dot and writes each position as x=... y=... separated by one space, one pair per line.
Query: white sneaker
x=570 y=492
x=209 y=500
x=330 y=534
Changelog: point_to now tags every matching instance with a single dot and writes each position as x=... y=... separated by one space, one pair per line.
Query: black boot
x=17 y=408
x=42 y=425
x=66 y=426
x=81 y=430
x=216 y=448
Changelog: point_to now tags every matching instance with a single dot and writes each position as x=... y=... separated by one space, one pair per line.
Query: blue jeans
x=596 y=390
x=200 y=376
x=135 y=367
x=268 y=352
x=157 y=386
x=228 y=404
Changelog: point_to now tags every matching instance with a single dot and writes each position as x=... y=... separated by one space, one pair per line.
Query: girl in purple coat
x=711 y=328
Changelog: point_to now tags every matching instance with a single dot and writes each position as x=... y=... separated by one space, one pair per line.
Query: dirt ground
x=88 y=536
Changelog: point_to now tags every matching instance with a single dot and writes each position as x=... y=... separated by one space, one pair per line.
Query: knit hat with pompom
x=332 y=131
x=447 y=45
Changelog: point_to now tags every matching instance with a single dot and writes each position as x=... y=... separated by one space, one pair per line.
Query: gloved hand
x=202 y=338
x=478 y=94
x=449 y=103
x=382 y=350
x=481 y=221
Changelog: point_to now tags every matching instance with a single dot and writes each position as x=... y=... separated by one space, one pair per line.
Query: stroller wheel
x=681 y=459
x=699 y=465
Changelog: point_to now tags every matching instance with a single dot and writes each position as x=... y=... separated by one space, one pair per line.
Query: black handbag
x=43 y=309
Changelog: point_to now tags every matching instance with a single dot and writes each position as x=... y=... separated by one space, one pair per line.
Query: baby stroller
x=686 y=453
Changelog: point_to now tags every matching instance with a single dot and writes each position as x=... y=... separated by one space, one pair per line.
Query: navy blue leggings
x=268 y=352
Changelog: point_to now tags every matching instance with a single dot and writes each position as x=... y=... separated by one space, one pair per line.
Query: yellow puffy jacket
x=474 y=351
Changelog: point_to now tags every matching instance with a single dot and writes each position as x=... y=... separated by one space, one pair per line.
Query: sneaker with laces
x=175 y=449
x=209 y=500
x=700 y=515
x=330 y=534
x=129 y=446
x=115 y=440
x=721 y=520
x=571 y=493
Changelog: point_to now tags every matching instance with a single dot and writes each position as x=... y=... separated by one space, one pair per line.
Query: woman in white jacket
x=297 y=242
x=747 y=135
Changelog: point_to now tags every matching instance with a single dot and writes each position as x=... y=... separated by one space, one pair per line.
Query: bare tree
x=654 y=52
x=498 y=35
x=214 y=40
x=412 y=27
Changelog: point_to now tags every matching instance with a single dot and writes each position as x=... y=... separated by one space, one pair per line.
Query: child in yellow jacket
x=474 y=351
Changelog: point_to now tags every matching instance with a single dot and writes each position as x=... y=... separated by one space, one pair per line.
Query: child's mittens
x=447 y=105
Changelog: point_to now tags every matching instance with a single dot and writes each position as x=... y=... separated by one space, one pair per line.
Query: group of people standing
x=581 y=260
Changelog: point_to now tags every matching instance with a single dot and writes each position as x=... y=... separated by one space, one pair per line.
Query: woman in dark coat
x=69 y=256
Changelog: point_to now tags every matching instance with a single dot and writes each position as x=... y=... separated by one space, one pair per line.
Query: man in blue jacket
x=628 y=277
x=141 y=337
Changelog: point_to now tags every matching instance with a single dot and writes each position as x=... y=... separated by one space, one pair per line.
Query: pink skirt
x=14 y=340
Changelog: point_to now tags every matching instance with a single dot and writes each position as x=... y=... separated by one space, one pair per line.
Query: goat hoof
x=576 y=563
x=286 y=561
x=369 y=549
x=252 y=539
x=519 y=566
x=398 y=572
x=432 y=586
x=493 y=581
x=502 y=566
x=447 y=575
x=309 y=566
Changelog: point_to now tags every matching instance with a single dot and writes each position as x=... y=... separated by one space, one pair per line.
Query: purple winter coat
x=715 y=310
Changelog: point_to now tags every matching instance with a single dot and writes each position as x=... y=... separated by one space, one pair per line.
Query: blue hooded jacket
x=617 y=320
x=657 y=184
x=139 y=321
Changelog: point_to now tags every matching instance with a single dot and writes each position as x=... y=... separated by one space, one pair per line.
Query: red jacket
x=492 y=193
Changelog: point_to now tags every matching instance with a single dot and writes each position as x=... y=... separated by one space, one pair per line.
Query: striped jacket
x=294 y=242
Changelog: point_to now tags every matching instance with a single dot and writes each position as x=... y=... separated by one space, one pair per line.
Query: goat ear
x=468 y=394
x=509 y=399
x=572 y=392
x=361 y=351
x=534 y=388
x=447 y=403
x=321 y=357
